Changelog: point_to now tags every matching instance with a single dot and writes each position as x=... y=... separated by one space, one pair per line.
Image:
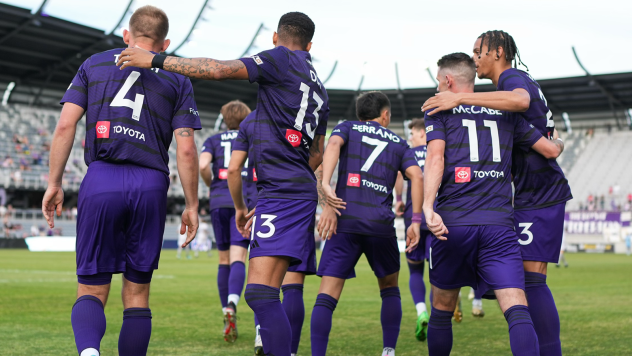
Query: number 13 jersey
x=131 y=114
x=292 y=108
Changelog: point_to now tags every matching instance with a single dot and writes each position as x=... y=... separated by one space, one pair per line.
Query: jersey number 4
x=137 y=104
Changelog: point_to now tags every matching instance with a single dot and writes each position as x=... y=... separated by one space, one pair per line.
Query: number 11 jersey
x=131 y=114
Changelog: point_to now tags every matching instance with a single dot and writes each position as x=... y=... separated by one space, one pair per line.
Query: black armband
x=158 y=61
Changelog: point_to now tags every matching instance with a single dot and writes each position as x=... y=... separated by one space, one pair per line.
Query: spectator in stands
x=37 y=158
x=3 y=198
x=24 y=165
x=17 y=177
x=602 y=203
x=630 y=198
x=8 y=162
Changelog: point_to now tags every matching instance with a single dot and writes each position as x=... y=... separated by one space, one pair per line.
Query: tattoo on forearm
x=185 y=132
x=322 y=200
x=203 y=68
x=559 y=145
x=315 y=149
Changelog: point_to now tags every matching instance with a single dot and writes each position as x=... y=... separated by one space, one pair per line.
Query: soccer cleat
x=388 y=351
x=458 y=312
x=258 y=344
x=421 y=332
x=478 y=312
x=230 y=323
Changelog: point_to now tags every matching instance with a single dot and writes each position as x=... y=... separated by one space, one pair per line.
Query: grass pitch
x=37 y=291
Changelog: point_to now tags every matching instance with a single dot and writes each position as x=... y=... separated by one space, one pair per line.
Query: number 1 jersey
x=219 y=146
x=131 y=114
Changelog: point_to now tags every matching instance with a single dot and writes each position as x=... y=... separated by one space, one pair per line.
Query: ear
x=126 y=36
x=165 y=45
x=448 y=81
x=275 y=38
x=309 y=46
x=500 y=53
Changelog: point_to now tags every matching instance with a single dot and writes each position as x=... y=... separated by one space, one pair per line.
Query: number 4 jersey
x=476 y=183
x=131 y=114
x=369 y=161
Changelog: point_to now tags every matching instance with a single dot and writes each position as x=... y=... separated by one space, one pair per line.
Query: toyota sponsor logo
x=293 y=137
x=103 y=129
x=129 y=132
x=492 y=174
x=353 y=180
x=462 y=174
x=223 y=174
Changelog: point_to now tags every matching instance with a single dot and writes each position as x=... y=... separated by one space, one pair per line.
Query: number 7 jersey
x=131 y=114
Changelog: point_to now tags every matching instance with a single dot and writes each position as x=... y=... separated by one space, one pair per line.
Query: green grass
x=37 y=290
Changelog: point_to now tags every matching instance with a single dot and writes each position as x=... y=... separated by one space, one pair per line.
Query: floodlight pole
x=332 y=72
x=254 y=38
x=400 y=94
x=197 y=19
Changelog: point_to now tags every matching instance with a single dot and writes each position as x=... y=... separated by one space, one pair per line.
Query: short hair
x=149 y=21
x=234 y=112
x=369 y=105
x=495 y=39
x=461 y=65
x=417 y=124
x=296 y=27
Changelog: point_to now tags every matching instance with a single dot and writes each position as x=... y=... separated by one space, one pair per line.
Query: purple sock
x=295 y=311
x=522 y=337
x=478 y=293
x=543 y=313
x=321 y=323
x=275 y=327
x=88 y=322
x=440 y=333
x=416 y=282
x=391 y=316
x=223 y=272
x=236 y=278
x=135 y=332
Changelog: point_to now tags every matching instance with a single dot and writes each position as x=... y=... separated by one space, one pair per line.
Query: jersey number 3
x=137 y=104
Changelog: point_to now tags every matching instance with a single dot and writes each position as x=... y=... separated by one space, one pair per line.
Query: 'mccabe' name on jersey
x=371 y=129
x=474 y=110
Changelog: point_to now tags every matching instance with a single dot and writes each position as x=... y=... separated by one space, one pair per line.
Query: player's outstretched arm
x=549 y=149
x=62 y=144
x=517 y=100
x=188 y=169
x=200 y=68
x=235 y=186
x=330 y=159
x=416 y=186
x=433 y=171
x=205 y=168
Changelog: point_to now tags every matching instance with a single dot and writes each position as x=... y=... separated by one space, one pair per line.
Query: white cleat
x=388 y=351
x=258 y=343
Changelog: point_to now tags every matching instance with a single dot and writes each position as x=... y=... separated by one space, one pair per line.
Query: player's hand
x=52 y=202
x=135 y=57
x=412 y=237
x=333 y=200
x=243 y=220
x=189 y=225
x=441 y=101
x=435 y=225
x=328 y=223
x=399 y=208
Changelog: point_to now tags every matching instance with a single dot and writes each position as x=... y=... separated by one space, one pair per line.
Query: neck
x=147 y=46
x=291 y=46
x=462 y=88
x=498 y=71
x=419 y=142
x=378 y=120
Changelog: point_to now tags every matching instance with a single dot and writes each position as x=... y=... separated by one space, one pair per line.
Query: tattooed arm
x=316 y=152
x=322 y=198
x=189 y=171
x=200 y=68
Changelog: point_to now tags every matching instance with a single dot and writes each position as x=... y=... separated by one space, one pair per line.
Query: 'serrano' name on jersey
x=378 y=187
x=474 y=110
x=380 y=132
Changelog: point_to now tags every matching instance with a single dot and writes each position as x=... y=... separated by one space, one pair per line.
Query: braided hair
x=496 y=39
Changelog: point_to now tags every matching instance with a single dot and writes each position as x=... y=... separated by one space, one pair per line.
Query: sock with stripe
x=223 y=273
x=417 y=286
x=546 y=319
x=236 y=279
x=135 y=332
x=522 y=337
x=440 y=332
x=295 y=311
x=321 y=323
x=275 y=327
x=88 y=324
x=391 y=316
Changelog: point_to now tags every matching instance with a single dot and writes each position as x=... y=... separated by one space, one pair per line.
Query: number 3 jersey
x=369 y=161
x=476 y=184
x=292 y=108
x=131 y=113
x=539 y=182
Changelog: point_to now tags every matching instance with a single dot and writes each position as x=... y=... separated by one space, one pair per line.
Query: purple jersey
x=420 y=157
x=249 y=175
x=369 y=161
x=220 y=147
x=131 y=114
x=539 y=182
x=476 y=184
x=292 y=108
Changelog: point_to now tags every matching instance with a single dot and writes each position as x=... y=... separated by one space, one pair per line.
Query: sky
x=368 y=37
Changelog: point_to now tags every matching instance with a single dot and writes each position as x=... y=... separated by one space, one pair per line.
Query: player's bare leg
x=444 y=302
x=522 y=337
x=326 y=302
x=235 y=285
x=391 y=314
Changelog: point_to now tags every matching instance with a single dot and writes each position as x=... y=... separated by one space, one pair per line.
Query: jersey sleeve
x=77 y=92
x=241 y=142
x=514 y=81
x=435 y=127
x=342 y=130
x=267 y=67
x=525 y=135
x=185 y=113
x=207 y=146
x=408 y=160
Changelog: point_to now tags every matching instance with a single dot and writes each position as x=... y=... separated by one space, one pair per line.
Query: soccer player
x=469 y=163
x=416 y=257
x=541 y=189
x=294 y=279
x=370 y=156
x=292 y=113
x=131 y=115
x=232 y=247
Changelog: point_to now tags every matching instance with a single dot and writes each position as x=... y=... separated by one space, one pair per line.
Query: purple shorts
x=225 y=229
x=540 y=233
x=121 y=216
x=281 y=227
x=422 y=251
x=308 y=264
x=483 y=257
x=343 y=251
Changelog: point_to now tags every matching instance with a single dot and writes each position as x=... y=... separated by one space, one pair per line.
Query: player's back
x=131 y=114
x=539 y=182
x=220 y=146
x=292 y=108
x=369 y=161
x=476 y=184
